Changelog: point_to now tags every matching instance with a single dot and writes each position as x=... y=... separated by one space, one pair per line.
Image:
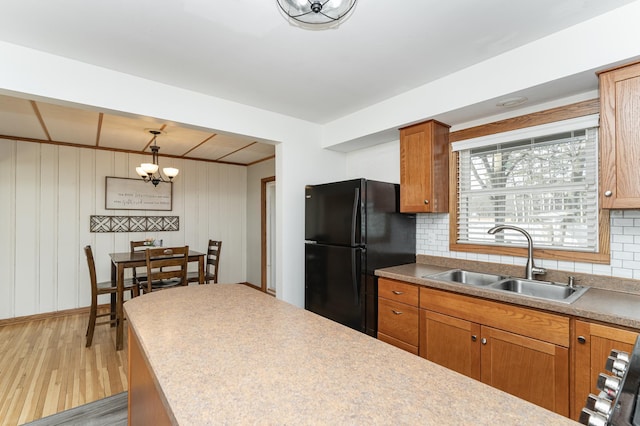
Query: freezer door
x=390 y=235
x=333 y=213
x=332 y=283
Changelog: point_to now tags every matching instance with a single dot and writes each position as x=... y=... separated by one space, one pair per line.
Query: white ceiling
x=245 y=51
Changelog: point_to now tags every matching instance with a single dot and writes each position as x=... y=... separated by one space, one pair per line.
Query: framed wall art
x=136 y=194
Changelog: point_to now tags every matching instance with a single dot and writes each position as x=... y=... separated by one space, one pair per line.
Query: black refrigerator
x=353 y=228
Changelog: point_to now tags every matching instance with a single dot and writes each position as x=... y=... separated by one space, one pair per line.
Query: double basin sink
x=532 y=288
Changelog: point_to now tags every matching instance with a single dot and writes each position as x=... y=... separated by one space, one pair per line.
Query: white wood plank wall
x=48 y=192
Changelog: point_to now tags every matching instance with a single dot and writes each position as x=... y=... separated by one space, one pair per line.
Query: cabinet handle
x=397 y=293
x=608 y=193
x=483 y=341
x=426 y=201
x=582 y=340
x=474 y=338
x=396 y=312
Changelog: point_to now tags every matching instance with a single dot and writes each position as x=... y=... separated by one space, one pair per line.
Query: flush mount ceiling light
x=317 y=12
x=147 y=171
x=511 y=102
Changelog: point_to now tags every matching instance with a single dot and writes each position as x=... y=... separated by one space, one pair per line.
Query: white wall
x=380 y=162
x=297 y=165
x=48 y=192
x=255 y=174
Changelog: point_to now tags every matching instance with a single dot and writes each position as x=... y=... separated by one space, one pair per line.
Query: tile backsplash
x=432 y=238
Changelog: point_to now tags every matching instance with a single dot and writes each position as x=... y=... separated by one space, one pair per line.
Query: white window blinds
x=546 y=184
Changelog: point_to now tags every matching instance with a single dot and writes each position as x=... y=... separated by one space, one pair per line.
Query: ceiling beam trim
x=99 y=129
x=127 y=151
x=237 y=150
x=201 y=143
x=36 y=111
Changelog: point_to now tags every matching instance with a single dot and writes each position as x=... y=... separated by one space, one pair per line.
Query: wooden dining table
x=120 y=262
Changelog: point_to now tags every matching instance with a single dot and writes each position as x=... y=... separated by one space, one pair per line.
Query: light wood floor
x=45 y=367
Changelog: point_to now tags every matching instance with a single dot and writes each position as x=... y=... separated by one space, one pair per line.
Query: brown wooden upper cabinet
x=424 y=168
x=620 y=137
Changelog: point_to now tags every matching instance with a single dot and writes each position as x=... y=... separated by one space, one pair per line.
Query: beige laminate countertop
x=228 y=354
x=609 y=306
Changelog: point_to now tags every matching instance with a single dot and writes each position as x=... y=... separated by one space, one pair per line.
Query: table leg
x=119 y=310
x=201 y=269
x=113 y=296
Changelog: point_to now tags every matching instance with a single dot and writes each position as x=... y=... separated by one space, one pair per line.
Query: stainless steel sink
x=466 y=277
x=531 y=288
x=540 y=289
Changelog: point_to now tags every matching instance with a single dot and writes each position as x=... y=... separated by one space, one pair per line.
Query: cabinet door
x=450 y=342
x=530 y=369
x=592 y=347
x=424 y=168
x=619 y=138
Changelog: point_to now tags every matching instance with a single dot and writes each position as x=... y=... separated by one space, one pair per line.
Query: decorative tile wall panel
x=137 y=223
x=171 y=223
x=133 y=223
x=100 y=224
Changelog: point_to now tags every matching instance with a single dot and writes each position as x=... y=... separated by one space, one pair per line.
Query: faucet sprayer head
x=495 y=229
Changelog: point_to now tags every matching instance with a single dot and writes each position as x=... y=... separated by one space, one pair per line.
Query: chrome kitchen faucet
x=531 y=268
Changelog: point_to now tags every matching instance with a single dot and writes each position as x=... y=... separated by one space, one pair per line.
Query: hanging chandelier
x=150 y=172
x=317 y=12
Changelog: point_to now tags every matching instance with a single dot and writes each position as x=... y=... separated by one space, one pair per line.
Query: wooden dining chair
x=213 y=260
x=166 y=268
x=98 y=288
x=139 y=274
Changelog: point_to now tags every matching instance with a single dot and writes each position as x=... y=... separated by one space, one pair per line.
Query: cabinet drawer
x=398 y=291
x=398 y=320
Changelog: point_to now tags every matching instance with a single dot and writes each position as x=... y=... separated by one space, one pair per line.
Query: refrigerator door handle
x=354 y=277
x=354 y=215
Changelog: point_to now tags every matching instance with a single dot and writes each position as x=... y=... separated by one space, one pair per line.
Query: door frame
x=263 y=231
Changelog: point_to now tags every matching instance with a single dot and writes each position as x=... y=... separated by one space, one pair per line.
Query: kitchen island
x=228 y=354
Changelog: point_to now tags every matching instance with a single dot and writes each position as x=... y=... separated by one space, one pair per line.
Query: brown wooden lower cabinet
x=145 y=403
x=548 y=359
x=487 y=341
x=592 y=345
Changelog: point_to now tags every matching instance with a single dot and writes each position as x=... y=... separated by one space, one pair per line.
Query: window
x=543 y=179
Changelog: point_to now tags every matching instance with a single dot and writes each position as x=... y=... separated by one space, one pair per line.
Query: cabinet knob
x=474 y=338
x=483 y=341
x=397 y=293
x=581 y=339
x=426 y=201
x=396 y=312
x=608 y=193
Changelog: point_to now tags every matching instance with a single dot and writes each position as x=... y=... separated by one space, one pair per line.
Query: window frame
x=579 y=109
